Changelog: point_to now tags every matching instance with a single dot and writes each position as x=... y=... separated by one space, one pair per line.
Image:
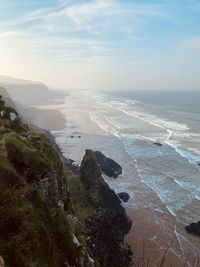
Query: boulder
x=102 y=196
x=157 y=144
x=123 y=196
x=193 y=228
x=110 y=167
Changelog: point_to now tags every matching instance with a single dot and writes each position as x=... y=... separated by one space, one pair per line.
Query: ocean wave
x=175 y=135
x=169 y=193
x=168 y=187
x=100 y=120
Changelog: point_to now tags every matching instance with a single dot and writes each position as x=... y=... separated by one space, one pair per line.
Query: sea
x=160 y=131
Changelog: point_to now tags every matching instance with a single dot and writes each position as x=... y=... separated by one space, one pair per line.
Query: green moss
x=33 y=232
x=9 y=177
x=27 y=160
x=81 y=204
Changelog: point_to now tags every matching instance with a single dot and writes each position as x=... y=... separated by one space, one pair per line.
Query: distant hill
x=6 y=97
x=28 y=92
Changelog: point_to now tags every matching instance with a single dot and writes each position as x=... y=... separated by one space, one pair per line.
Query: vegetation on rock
x=51 y=216
x=35 y=229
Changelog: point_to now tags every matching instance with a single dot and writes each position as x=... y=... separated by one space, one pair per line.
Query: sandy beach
x=48 y=116
x=49 y=119
x=152 y=237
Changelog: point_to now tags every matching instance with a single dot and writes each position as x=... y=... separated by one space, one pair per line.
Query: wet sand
x=152 y=244
x=152 y=237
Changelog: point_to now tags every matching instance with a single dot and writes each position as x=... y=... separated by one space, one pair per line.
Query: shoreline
x=145 y=220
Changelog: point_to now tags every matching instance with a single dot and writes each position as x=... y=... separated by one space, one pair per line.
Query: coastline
x=149 y=237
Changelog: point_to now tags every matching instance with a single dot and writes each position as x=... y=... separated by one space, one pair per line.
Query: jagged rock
x=107 y=227
x=105 y=241
x=48 y=186
x=72 y=165
x=124 y=196
x=108 y=166
x=193 y=228
x=90 y=171
x=2 y=113
x=36 y=204
x=13 y=116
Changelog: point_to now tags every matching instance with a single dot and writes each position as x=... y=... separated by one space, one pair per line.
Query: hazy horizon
x=102 y=44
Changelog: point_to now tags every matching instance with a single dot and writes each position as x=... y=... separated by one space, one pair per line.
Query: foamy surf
x=165 y=172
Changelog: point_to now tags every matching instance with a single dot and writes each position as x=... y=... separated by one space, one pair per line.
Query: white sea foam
x=119 y=124
x=164 y=171
x=99 y=119
x=175 y=131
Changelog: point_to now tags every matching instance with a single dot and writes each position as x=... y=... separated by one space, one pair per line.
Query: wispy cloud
x=95 y=25
x=83 y=14
x=123 y=35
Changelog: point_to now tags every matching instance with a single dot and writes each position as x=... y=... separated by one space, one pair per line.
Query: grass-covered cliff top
x=35 y=226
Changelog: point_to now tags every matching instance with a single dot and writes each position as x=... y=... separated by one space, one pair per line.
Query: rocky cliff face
x=35 y=226
x=109 y=223
x=110 y=167
x=51 y=216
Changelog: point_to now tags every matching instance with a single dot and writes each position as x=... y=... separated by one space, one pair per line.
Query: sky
x=102 y=44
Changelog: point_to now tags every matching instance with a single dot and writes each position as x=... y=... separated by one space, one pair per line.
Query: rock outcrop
x=123 y=196
x=108 y=166
x=35 y=228
x=55 y=214
x=193 y=228
x=157 y=144
x=109 y=223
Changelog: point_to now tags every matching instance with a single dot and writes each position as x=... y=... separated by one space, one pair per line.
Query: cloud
x=86 y=15
x=97 y=27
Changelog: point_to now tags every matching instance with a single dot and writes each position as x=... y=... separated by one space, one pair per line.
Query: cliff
x=51 y=216
x=109 y=223
x=28 y=92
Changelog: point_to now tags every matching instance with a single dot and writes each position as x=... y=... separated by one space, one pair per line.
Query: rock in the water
x=193 y=228
x=124 y=196
x=110 y=167
x=157 y=144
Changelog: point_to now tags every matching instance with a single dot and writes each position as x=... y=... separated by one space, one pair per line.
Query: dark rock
x=198 y=163
x=71 y=165
x=104 y=241
x=157 y=144
x=90 y=171
x=108 y=166
x=193 y=228
x=124 y=196
x=109 y=224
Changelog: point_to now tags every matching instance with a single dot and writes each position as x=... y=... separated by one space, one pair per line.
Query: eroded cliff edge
x=51 y=216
